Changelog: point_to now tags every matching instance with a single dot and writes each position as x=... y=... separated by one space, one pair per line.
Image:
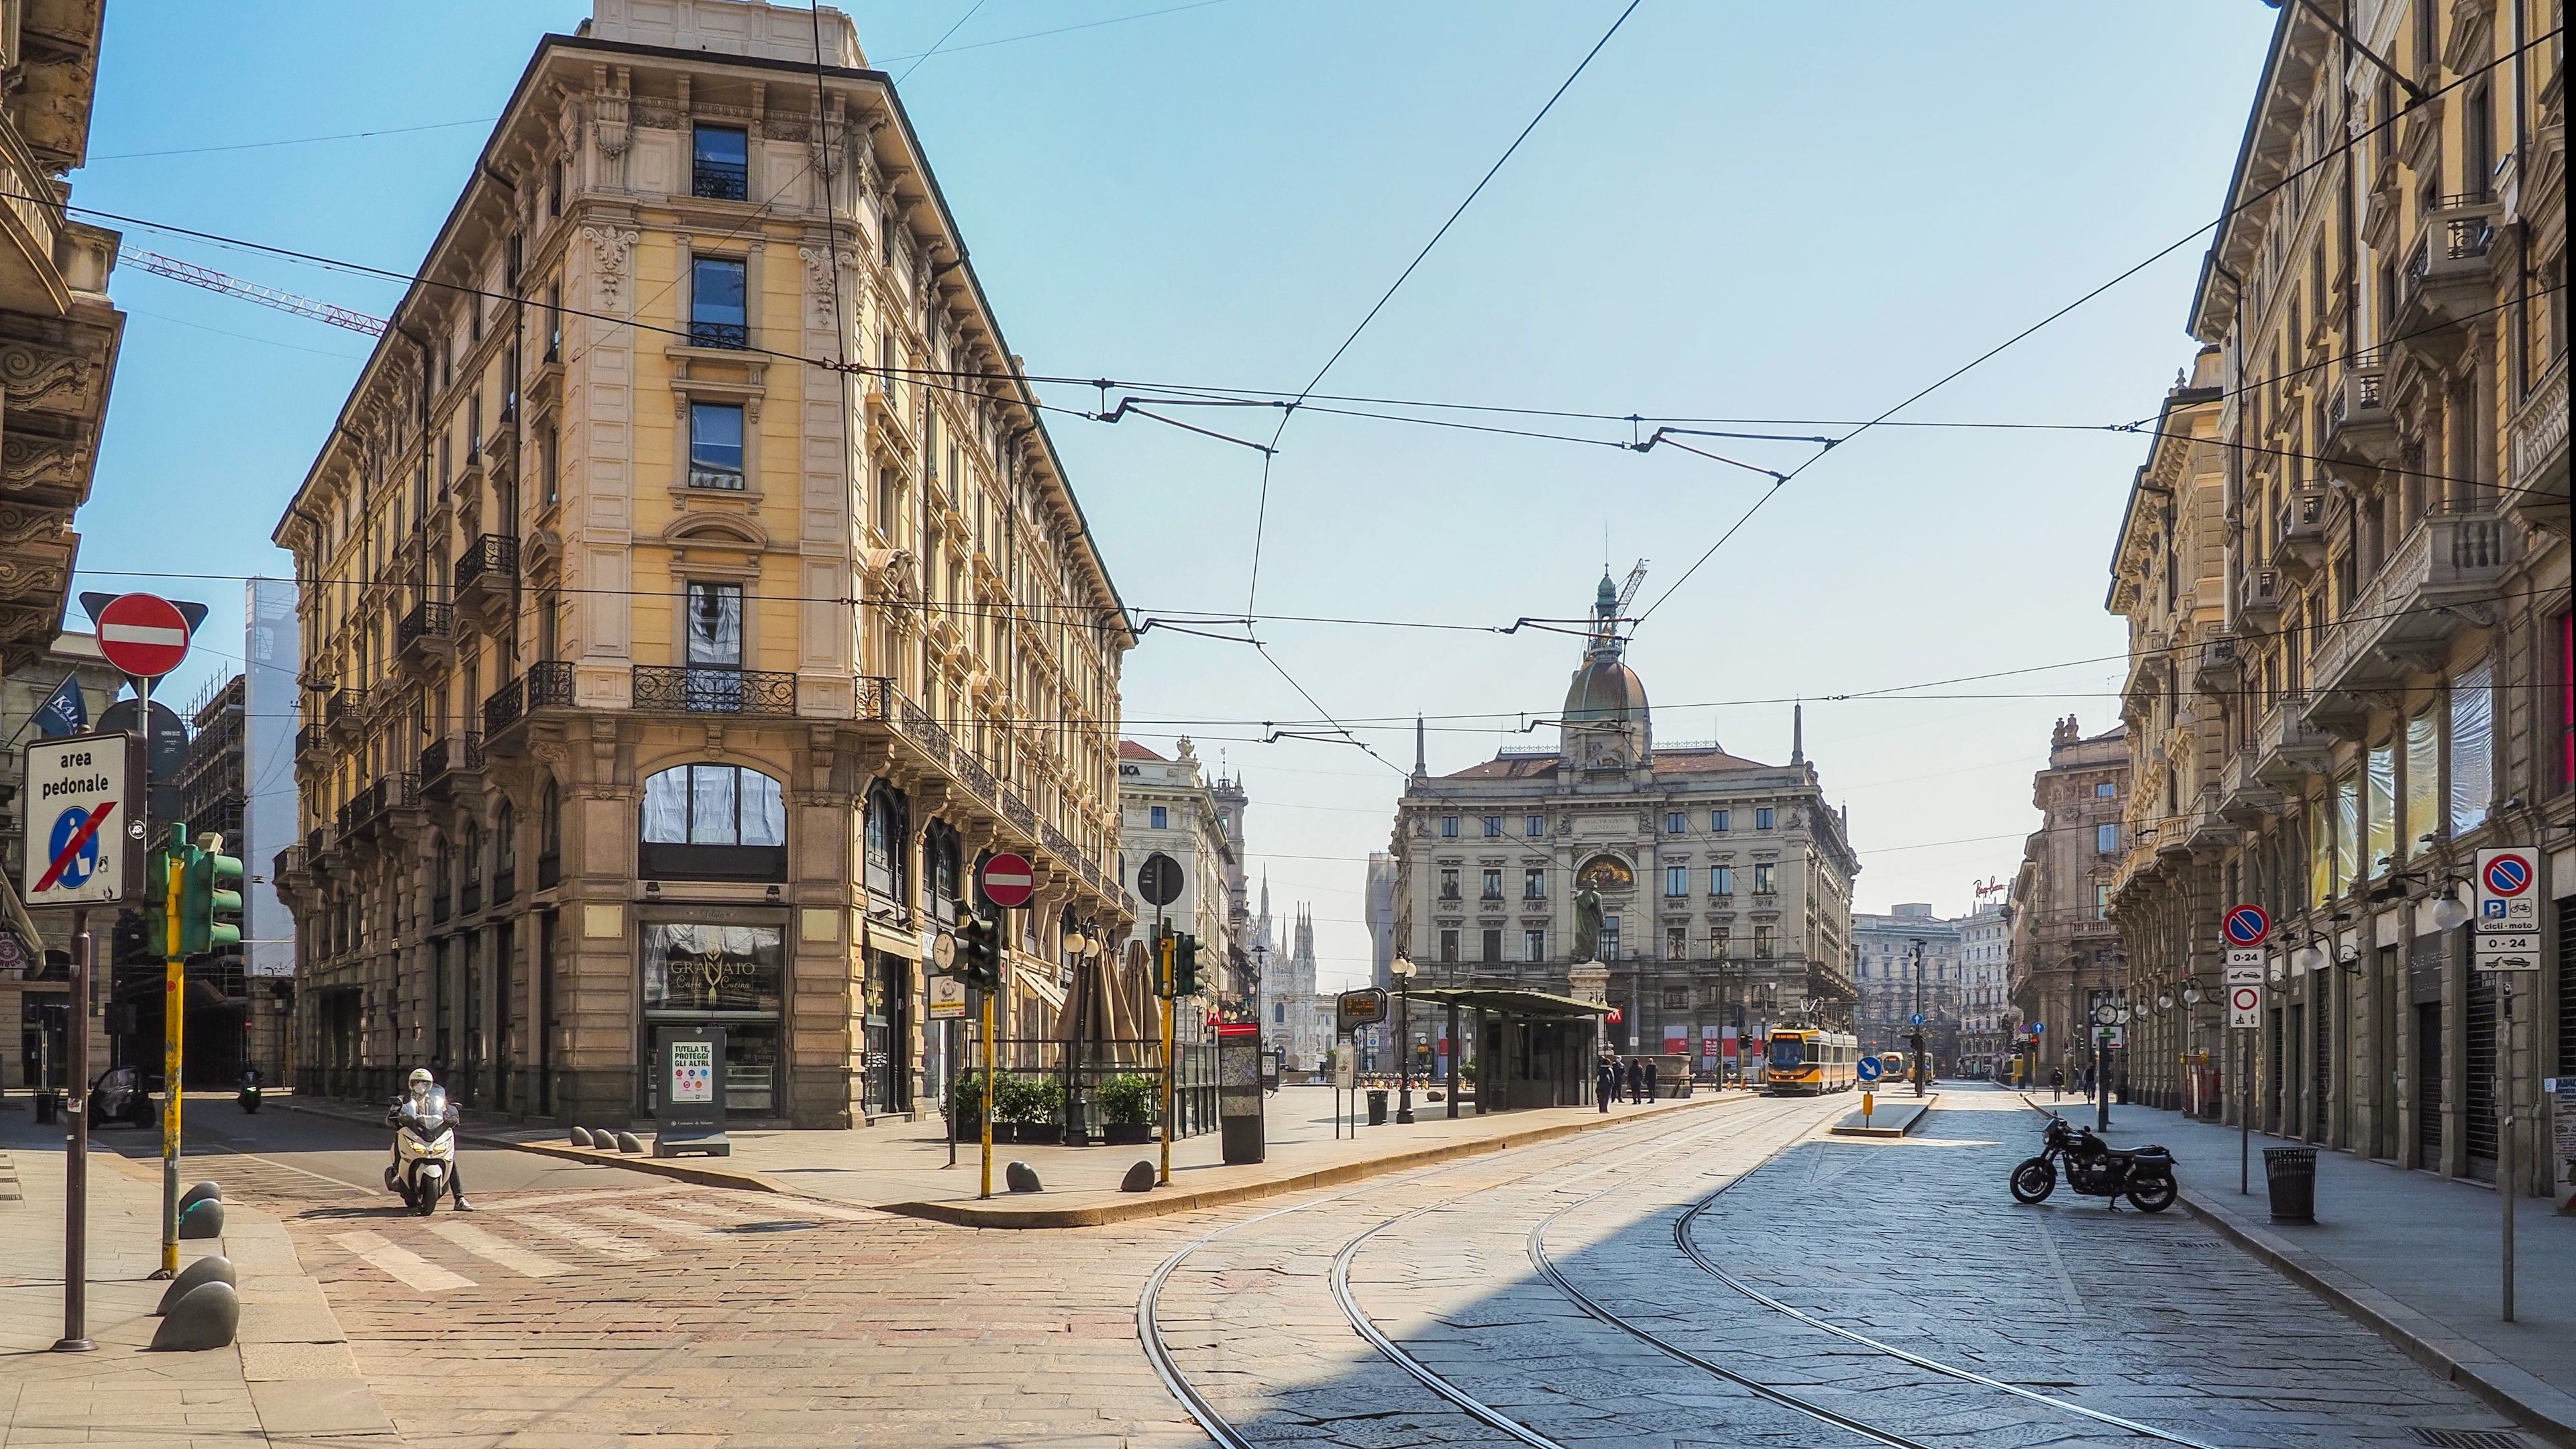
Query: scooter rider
x=421 y=1081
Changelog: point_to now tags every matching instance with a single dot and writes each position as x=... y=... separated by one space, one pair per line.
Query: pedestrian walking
x=1636 y=1081
x=1605 y=1081
x=1650 y=1079
x=2056 y=1083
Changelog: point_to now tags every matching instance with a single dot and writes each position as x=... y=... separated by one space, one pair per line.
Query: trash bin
x=2291 y=1174
x=1377 y=1106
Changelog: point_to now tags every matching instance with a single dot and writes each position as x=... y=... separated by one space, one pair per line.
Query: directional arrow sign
x=1868 y=1069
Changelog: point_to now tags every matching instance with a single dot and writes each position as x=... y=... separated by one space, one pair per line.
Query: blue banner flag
x=64 y=712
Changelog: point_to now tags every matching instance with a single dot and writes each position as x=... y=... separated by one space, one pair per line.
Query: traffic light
x=1185 y=965
x=210 y=903
x=161 y=896
x=979 y=951
x=1164 y=944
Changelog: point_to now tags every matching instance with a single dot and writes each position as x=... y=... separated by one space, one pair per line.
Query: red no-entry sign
x=1006 y=880
x=143 y=634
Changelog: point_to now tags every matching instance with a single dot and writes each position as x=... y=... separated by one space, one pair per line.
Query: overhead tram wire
x=1261 y=513
x=2287 y=179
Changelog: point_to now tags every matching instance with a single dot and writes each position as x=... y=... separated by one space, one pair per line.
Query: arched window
x=505 y=854
x=887 y=828
x=714 y=822
x=549 y=834
x=470 y=898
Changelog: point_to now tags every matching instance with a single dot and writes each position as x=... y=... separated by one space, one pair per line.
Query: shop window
x=703 y=974
x=714 y=822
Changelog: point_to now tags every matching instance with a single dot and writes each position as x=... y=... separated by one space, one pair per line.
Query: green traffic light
x=210 y=902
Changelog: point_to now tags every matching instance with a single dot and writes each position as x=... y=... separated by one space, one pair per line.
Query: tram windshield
x=1788 y=1051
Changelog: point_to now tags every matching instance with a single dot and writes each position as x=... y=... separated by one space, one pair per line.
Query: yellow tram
x=1811 y=1061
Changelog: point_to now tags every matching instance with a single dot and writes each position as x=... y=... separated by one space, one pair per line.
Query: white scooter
x=424 y=1149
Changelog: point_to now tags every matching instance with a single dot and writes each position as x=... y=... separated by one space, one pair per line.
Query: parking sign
x=2508 y=889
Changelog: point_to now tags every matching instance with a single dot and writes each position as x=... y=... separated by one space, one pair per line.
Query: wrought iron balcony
x=730 y=336
x=434 y=762
x=491 y=561
x=719 y=182
x=702 y=690
x=428 y=626
x=547 y=684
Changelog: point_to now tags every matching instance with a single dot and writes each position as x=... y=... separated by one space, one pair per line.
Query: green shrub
x=1129 y=1097
x=966 y=1097
x=1022 y=1098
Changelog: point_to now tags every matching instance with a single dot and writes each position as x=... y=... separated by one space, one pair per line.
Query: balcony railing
x=2261 y=596
x=491 y=556
x=344 y=705
x=714 y=691
x=1017 y=811
x=425 y=621
x=2456 y=555
x=720 y=182
x=548 y=683
x=971 y=773
x=433 y=761
x=731 y=336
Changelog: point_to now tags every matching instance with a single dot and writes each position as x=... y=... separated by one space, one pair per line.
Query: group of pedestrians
x=1638 y=1073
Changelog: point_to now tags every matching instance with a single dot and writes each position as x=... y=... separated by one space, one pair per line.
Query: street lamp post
x=1079 y=945
x=1401 y=968
x=1915 y=1039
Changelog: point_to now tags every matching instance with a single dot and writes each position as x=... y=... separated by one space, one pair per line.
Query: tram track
x=1688 y=1243
x=1213 y=1420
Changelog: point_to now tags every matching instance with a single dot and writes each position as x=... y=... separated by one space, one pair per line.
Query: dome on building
x=1604 y=723
x=1605 y=688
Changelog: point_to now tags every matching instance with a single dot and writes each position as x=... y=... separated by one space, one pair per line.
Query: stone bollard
x=629 y=1142
x=198 y=1194
x=212 y=1268
x=1021 y=1177
x=205 y=1316
x=202 y=1219
x=581 y=1137
x=1139 y=1178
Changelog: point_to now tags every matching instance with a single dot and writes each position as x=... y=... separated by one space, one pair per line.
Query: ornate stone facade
x=1725 y=884
x=2351 y=644
x=662 y=670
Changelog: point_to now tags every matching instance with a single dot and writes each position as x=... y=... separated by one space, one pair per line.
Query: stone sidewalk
x=2418 y=1257
x=901 y=1167
x=290 y=1380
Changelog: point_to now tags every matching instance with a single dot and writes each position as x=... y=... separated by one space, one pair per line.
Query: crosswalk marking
x=770 y=1208
x=676 y=1227
x=509 y=1255
x=596 y=1240
x=403 y=1264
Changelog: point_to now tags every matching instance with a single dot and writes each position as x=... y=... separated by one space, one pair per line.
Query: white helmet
x=420 y=1078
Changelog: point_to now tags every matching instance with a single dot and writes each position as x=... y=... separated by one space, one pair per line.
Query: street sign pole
x=2505 y=1185
x=1163 y=978
x=75 y=1337
x=174 y=995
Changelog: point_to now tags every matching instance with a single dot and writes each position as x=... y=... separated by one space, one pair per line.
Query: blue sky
x=1741 y=210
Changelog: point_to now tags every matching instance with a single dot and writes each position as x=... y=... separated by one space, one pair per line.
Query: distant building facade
x=1725 y=884
x=2064 y=952
x=1894 y=987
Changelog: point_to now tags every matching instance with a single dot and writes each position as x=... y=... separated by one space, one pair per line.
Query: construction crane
x=232 y=286
x=1628 y=590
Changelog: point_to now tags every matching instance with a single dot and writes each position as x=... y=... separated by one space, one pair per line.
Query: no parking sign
x=2506 y=899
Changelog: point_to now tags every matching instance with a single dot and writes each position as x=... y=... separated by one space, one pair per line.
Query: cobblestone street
x=1538 y=1295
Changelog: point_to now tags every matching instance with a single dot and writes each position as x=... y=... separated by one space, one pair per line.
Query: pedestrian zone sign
x=2244 y=1006
x=76 y=816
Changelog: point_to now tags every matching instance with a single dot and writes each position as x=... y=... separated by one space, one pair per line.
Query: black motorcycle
x=2145 y=1176
x=249 y=1097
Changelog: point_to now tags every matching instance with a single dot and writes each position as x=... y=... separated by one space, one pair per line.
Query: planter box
x=1127 y=1134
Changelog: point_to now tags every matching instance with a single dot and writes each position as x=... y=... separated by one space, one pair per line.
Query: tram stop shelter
x=1531 y=1048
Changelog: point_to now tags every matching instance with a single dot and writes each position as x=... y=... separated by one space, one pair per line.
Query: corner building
x=659 y=671
x=1725 y=884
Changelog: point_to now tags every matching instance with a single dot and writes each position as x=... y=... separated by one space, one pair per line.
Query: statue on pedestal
x=1587 y=924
